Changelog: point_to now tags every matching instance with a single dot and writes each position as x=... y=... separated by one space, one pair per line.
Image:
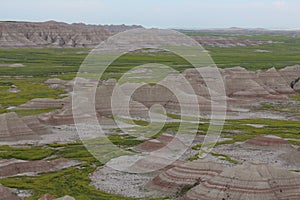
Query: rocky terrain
x=212 y=41
x=13 y=167
x=43 y=150
x=55 y=34
x=234 y=168
x=248 y=182
x=59 y=34
x=244 y=89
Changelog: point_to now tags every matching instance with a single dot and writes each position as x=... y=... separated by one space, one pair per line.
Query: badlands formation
x=60 y=34
x=245 y=90
x=262 y=167
x=265 y=165
x=55 y=34
x=249 y=182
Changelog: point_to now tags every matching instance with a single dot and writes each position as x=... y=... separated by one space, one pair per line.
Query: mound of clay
x=215 y=41
x=155 y=144
x=269 y=142
x=57 y=83
x=143 y=164
x=58 y=117
x=65 y=116
x=153 y=162
x=41 y=103
x=13 y=89
x=249 y=182
x=187 y=174
x=290 y=74
x=104 y=101
x=240 y=83
x=7 y=194
x=273 y=82
x=13 y=128
x=16 y=167
x=34 y=124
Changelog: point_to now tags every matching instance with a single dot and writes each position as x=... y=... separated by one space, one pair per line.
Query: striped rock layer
x=187 y=174
x=16 y=167
x=41 y=103
x=249 y=182
x=244 y=89
x=268 y=142
x=13 y=127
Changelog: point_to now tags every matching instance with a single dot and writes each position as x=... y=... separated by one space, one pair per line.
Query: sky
x=191 y=14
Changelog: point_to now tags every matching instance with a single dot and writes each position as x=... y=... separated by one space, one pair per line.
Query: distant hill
x=55 y=34
x=235 y=31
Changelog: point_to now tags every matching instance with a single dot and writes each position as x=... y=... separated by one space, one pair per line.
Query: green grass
x=30 y=88
x=41 y=62
x=185 y=189
x=30 y=153
x=225 y=157
x=282 y=107
x=239 y=131
x=282 y=54
x=71 y=181
x=73 y=151
x=294 y=142
x=64 y=62
x=124 y=140
x=296 y=97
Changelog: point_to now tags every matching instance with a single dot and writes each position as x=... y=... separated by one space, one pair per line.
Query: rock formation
x=18 y=167
x=273 y=82
x=13 y=127
x=225 y=42
x=7 y=194
x=41 y=103
x=249 y=182
x=240 y=83
x=155 y=144
x=57 y=83
x=13 y=89
x=58 y=117
x=269 y=142
x=35 y=125
x=187 y=174
x=244 y=90
x=55 y=34
x=291 y=74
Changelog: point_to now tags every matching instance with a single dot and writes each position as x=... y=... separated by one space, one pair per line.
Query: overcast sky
x=159 y=13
